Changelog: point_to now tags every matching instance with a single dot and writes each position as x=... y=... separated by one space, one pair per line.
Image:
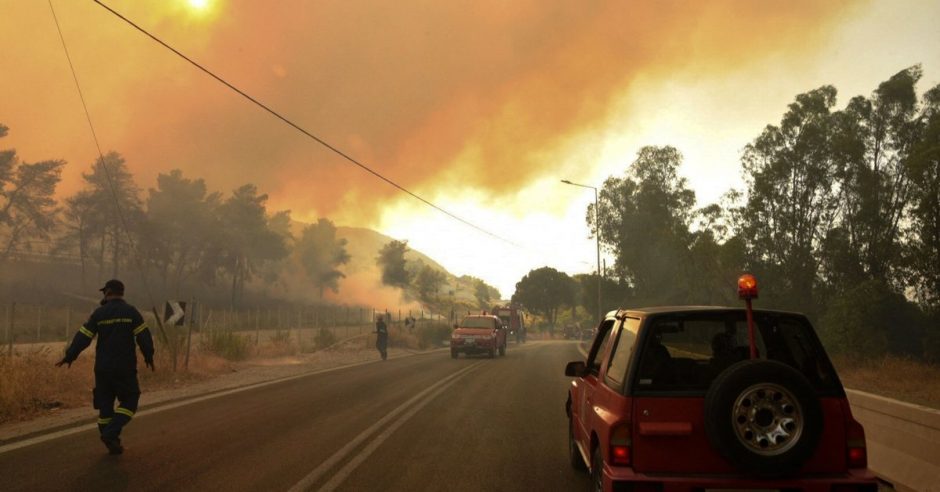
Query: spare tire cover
x=763 y=417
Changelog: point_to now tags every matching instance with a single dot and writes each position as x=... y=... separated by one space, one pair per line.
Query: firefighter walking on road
x=118 y=325
x=381 y=337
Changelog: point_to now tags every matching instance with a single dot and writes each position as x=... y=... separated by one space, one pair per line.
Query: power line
x=101 y=162
x=297 y=127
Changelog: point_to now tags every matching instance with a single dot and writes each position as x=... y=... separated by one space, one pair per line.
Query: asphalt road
x=424 y=422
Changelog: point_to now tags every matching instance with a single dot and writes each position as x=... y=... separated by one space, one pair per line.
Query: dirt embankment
x=894 y=377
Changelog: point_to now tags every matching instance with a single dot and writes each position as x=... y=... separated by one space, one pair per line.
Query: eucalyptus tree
x=322 y=253
x=106 y=215
x=27 y=203
x=874 y=139
x=924 y=223
x=545 y=291
x=182 y=230
x=427 y=282
x=644 y=220
x=793 y=198
x=249 y=238
x=392 y=263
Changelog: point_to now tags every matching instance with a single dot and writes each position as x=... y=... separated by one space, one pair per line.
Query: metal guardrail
x=903 y=441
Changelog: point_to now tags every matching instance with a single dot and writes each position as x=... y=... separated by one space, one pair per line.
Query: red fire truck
x=512 y=317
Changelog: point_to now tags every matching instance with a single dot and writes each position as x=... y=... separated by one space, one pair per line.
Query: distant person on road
x=381 y=337
x=117 y=325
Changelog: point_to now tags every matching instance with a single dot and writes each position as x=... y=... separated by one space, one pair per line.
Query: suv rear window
x=684 y=352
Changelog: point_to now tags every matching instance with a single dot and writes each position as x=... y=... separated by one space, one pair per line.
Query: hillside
x=363 y=279
x=363 y=246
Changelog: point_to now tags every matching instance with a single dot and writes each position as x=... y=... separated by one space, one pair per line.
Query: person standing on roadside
x=118 y=325
x=381 y=337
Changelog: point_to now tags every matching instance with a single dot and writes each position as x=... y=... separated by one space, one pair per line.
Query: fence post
x=166 y=339
x=11 y=311
x=189 y=330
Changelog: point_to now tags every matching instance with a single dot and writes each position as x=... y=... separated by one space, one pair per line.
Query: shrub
x=226 y=344
x=30 y=384
x=281 y=337
x=931 y=349
x=433 y=334
x=324 y=338
x=869 y=321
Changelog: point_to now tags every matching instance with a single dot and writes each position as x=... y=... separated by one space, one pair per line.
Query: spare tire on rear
x=763 y=417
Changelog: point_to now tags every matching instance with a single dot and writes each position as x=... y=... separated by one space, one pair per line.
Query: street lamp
x=597 y=235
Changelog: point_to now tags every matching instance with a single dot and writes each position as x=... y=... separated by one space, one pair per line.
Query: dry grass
x=31 y=385
x=894 y=377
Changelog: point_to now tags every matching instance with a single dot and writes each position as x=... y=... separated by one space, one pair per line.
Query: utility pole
x=597 y=236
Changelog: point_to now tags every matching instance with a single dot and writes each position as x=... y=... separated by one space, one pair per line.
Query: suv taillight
x=856 y=454
x=620 y=445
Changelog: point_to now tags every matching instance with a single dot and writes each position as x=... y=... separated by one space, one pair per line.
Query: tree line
x=431 y=286
x=187 y=236
x=839 y=218
x=178 y=231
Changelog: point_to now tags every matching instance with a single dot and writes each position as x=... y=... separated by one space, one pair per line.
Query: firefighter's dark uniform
x=117 y=325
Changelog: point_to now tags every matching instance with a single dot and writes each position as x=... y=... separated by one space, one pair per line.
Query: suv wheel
x=574 y=455
x=763 y=416
x=502 y=349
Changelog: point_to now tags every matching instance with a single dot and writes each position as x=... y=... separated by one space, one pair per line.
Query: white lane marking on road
x=169 y=406
x=341 y=476
x=581 y=349
x=318 y=472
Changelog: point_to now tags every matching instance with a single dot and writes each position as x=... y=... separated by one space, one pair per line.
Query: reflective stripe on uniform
x=140 y=329
x=104 y=421
x=86 y=332
x=124 y=411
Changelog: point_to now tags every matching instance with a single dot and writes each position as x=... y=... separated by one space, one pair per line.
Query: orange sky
x=469 y=103
x=404 y=89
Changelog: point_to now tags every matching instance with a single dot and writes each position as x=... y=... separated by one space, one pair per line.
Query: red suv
x=478 y=334
x=706 y=398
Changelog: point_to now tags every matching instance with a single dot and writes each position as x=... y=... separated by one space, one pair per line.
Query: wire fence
x=37 y=323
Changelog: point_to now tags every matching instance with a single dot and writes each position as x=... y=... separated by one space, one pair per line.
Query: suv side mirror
x=576 y=369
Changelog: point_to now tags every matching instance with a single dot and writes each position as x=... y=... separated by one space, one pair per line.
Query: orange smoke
x=435 y=95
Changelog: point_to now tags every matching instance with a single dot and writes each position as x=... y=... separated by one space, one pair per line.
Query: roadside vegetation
x=901 y=378
x=30 y=384
x=838 y=219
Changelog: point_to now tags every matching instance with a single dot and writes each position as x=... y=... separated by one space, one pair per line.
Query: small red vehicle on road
x=478 y=334
x=712 y=398
x=513 y=318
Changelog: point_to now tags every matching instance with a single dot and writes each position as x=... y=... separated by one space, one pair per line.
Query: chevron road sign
x=174 y=313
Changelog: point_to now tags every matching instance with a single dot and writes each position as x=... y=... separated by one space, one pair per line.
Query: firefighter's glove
x=64 y=360
x=150 y=365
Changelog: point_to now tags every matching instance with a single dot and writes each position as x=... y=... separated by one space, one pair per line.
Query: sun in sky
x=198 y=4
